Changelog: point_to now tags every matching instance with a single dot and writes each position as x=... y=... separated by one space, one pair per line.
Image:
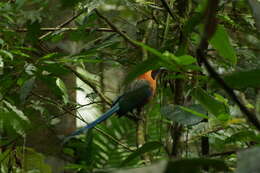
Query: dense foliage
x=205 y=113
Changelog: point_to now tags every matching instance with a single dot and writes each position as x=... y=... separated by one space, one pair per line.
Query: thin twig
x=76 y=108
x=63 y=24
x=68 y=29
x=126 y=37
x=96 y=128
x=168 y=9
x=90 y=84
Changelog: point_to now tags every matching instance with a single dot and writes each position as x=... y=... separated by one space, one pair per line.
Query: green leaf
x=30 y=69
x=12 y=123
x=195 y=110
x=63 y=89
x=16 y=110
x=7 y=54
x=224 y=117
x=20 y=53
x=150 y=49
x=208 y=102
x=49 y=56
x=244 y=79
x=4 y=154
x=220 y=41
x=169 y=60
x=193 y=21
x=35 y=162
x=54 y=68
x=26 y=89
x=180 y=60
x=242 y=136
x=186 y=60
x=149 y=64
x=147 y=147
x=184 y=115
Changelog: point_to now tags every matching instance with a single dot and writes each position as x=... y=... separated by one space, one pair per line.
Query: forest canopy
x=203 y=117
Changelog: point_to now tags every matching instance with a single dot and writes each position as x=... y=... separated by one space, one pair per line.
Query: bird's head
x=156 y=73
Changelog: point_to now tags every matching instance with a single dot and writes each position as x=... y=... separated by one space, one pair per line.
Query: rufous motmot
x=139 y=93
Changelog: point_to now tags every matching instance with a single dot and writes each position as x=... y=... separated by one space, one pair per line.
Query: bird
x=138 y=94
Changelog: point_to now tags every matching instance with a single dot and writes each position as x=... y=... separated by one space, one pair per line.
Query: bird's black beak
x=156 y=73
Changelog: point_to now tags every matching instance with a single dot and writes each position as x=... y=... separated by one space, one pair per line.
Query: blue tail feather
x=103 y=117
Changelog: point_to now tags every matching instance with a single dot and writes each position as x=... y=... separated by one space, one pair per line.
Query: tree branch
x=66 y=110
x=126 y=37
x=168 y=9
x=67 y=29
x=91 y=85
x=210 y=27
x=63 y=24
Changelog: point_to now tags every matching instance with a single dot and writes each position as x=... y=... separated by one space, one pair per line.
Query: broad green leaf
x=26 y=89
x=35 y=162
x=220 y=41
x=16 y=110
x=165 y=61
x=242 y=136
x=12 y=123
x=248 y=161
x=149 y=64
x=244 y=79
x=81 y=58
x=185 y=60
x=30 y=69
x=49 y=56
x=169 y=60
x=20 y=53
x=50 y=81
x=193 y=21
x=184 y=115
x=195 y=110
x=208 y=102
x=220 y=98
x=224 y=117
x=7 y=54
x=150 y=49
x=54 y=68
x=63 y=89
x=147 y=147
x=180 y=60
x=4 y=154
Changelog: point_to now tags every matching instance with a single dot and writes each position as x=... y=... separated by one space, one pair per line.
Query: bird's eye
x=155 y=73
